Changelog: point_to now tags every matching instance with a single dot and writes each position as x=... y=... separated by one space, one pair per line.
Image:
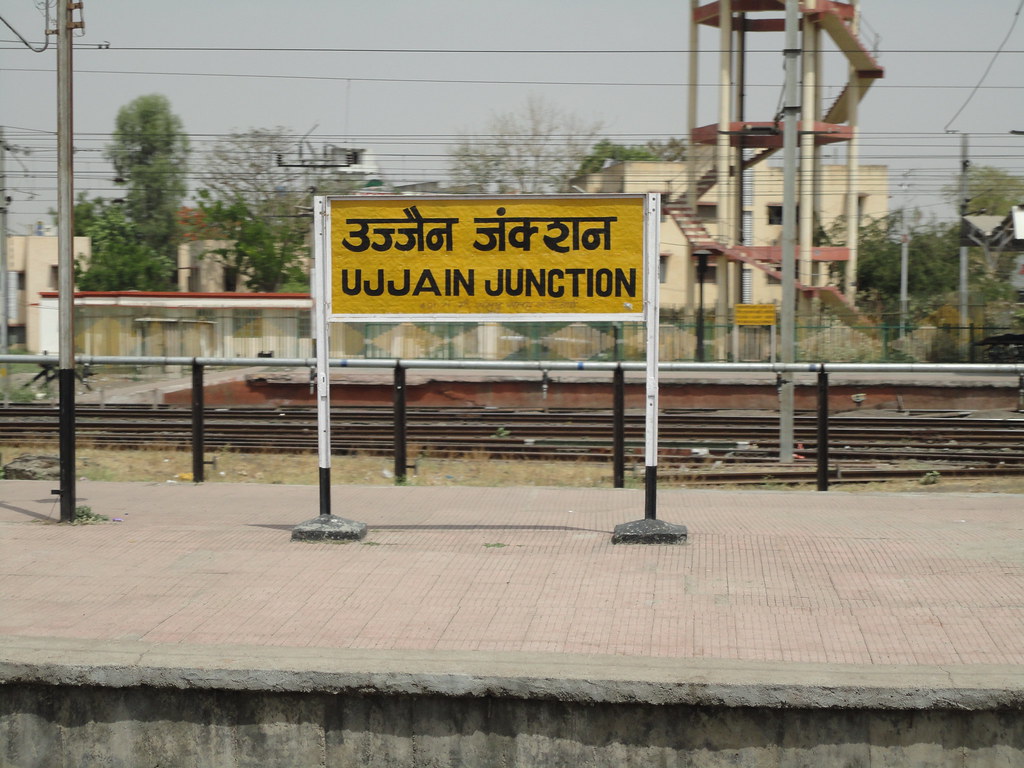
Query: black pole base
x=329 y=528
x=648 y=531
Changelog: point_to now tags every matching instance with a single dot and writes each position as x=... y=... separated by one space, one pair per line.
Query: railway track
x=705 y=446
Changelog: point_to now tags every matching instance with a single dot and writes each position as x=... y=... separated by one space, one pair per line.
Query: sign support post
x=326 y=526
x=651 y=530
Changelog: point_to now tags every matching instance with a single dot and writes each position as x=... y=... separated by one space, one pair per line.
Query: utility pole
x=65 y=257
x=787 y=322
x=4 y=289
x=965 y=165
x=904 y=266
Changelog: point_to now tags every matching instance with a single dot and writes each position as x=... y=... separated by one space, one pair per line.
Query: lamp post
x=702 y=270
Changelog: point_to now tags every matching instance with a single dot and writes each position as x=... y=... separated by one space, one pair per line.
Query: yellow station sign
x=487 y=256
x=755 y=314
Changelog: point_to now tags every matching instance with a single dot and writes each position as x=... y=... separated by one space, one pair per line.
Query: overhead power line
x=480 y=81
x=114 y=48
x=995 y=55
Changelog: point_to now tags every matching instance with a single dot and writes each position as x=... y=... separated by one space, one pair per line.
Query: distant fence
x=286 y=333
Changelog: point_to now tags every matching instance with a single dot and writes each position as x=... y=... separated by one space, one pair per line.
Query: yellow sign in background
x=755 y=314
x=468 y=256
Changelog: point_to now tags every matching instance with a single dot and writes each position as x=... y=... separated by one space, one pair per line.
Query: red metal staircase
x=835 y=18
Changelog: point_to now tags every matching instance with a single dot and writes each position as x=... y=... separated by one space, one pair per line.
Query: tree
x=150 y=157
x=535 y=149
x=268 y=252
x=258 y=186
x=257 y=167
x=606 y=150
x=932 y=257
x=671 y=150
x=87 y=212
x=989 y=190
x=120 y=260
x=994 y=192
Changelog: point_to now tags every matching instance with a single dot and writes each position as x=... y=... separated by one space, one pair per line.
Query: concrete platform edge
x=526 y=676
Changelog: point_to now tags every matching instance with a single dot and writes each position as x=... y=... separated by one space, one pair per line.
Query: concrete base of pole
x=329 y=528
x=649 y=531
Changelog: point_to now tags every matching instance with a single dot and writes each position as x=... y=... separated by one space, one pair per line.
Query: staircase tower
x=722 y=151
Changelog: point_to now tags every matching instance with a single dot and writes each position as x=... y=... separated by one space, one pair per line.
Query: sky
x=403 y=79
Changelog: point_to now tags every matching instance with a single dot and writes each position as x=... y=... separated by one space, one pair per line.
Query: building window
x=663 y=269
x=248 y=324
x=305 y=325
x=775 y=215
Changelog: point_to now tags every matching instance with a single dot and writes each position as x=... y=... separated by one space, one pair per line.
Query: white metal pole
x=322 y=333
x=326 y=526
x=652 y=220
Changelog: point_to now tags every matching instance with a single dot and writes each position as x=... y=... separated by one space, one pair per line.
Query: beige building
x=754 y=267
x=200 y=271
x=31 y=270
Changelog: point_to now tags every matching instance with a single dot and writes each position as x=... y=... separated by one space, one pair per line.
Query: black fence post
x=400 y=424
x=66 y=442
x=619 y=427
x=198 y=424
x=822 y=429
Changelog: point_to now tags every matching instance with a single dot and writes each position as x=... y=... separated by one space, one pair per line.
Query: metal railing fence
x=821 y=370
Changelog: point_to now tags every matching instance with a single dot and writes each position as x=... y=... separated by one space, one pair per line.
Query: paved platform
x=862 y=579
x=500 y=626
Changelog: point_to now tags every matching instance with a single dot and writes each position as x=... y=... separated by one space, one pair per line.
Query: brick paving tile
x=860 y=578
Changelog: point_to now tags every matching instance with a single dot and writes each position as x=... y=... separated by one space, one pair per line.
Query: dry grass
x=104 y=464
x=161 y=466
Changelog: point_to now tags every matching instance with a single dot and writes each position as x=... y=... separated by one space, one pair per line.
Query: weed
x=85 y=516
x=930 y=478
x=496 y=545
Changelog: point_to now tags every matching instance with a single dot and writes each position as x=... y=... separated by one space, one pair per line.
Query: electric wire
x=992 y=61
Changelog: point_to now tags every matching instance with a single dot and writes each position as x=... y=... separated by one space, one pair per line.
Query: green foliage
x=259 y=206
x=606 y=150
x=150 y=157
x=990 y=190
x=932 y=261
x=267 y=252
x=86 y=213
x=85 y=516
x=671 y=150
x=120 y=260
